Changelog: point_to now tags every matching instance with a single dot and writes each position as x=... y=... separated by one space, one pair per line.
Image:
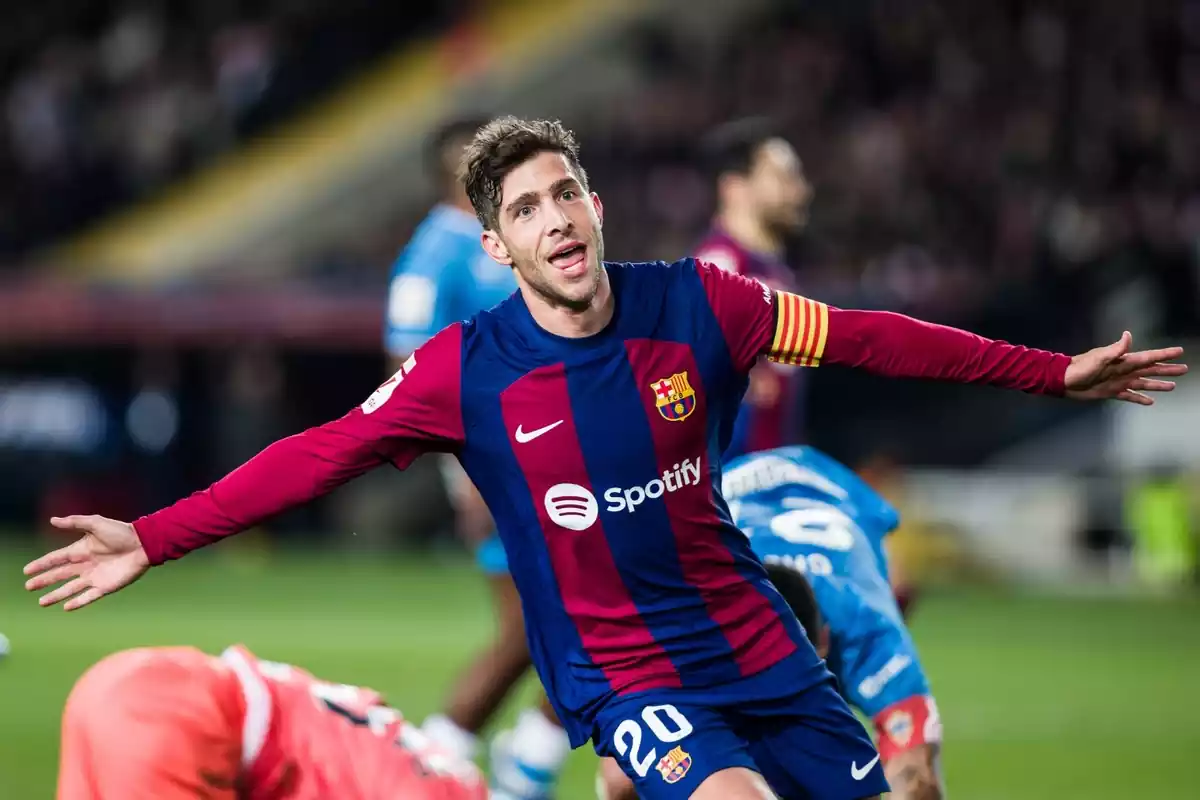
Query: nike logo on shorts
x=859 y=774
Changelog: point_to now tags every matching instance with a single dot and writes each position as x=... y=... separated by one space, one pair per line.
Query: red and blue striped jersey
x=600 y=459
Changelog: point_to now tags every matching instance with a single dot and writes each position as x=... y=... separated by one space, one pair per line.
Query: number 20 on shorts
x=628 y=737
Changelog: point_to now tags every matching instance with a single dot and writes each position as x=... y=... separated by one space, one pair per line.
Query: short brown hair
x=501 y=146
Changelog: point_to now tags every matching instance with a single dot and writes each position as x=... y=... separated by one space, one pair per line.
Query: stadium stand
x=347 y=162
x=106 y=103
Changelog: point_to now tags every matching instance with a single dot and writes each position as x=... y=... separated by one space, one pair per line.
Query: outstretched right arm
x=416 y=410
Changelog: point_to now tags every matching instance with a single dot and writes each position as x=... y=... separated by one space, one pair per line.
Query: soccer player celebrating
x=591 y=409
x=173 y=723
x=443 y=276
x=820 y=530
x=762 y=198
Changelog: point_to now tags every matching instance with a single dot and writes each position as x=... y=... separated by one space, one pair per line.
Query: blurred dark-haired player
x=820 y=530
x=762 y=199
x=443 y=276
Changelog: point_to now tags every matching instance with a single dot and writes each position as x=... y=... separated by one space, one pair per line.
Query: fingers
x=1121 y=346
x=51 y=577
x=57 y=558
x=1145 y=358
x=83 y=523
x=76 y=522
x=1163 y=371
x=63 y=592
x=63 y=555
x=1152 y=385
x=1131 y=396
x=90 y=596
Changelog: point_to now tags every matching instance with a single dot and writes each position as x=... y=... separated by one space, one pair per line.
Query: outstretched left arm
x=899 y=346
x=792 y=329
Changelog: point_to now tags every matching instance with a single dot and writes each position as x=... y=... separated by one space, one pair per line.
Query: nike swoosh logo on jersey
x=523 y=437
x=859 y=774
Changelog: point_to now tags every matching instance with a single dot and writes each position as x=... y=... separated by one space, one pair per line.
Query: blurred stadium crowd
x=966 y=156
x=961 y=151
x=106 y=103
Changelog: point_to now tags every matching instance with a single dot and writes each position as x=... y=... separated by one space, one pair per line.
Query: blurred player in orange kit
x=762 y=199
x=174 y=722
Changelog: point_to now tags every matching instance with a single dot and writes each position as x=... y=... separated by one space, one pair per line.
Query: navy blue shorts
x=808 y=746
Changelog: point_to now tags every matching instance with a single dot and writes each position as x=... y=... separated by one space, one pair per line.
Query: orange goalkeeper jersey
x=306 y=739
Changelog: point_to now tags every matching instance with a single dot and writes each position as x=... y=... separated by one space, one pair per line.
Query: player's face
x=549 y=231
x=779 y=189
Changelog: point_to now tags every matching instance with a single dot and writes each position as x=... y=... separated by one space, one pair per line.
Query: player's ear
x=599 y=207
x=494 y=246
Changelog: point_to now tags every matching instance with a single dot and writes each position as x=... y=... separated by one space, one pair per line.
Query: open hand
x=1114 y=373
x=108 y=557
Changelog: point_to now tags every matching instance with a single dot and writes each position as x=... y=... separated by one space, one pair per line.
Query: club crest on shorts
x=674 y=765
x=899 y=727
x=675 y=397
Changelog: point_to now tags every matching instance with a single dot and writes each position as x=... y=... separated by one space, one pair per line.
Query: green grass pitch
x=1041 y=698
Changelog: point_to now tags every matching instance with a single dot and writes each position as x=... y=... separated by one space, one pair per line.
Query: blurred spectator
x=961 y=153
x=106 y=103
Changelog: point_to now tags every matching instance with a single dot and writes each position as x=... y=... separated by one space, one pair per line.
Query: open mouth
x=569 y=255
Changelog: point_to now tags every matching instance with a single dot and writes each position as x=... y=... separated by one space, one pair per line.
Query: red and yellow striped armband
x=801 y=327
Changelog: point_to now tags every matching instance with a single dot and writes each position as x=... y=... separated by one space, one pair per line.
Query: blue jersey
x=442 y=276
x=800 y=508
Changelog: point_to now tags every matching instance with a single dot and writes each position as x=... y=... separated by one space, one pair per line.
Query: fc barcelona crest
x=674 y=765
x=675 y=397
